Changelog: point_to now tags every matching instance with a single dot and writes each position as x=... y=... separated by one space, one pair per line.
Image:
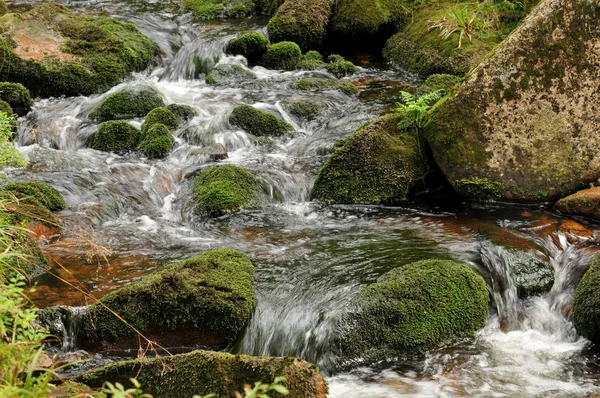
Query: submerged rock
x=376 y=164
x=252 y=45
x=314 y=84
x=229 y=73
x=586 y=305
x=302 y=108
x=129 y=103
x=203 y=301
x=532 y=275
x=224 y=189
x=205 y=372
x=283 y=55
x=184 y=113
x=257 y=122
x=414 y=308
x=17 y=96
x=301 y=21
x=583 y=203
x=53 y=51
x=523 y=126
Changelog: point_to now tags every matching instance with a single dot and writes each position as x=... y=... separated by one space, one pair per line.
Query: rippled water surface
x=128 y=215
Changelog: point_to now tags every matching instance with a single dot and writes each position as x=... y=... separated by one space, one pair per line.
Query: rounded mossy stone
x=211 y=294
x=85 y=54
x=223 y=189
x=438 y=82
x=41 y=191
x=414 y=308
x=313 y=55
x=184 y=113
x=283 y=55
x=367 y=17
x=6 y=108
x=257 y=122
x=26 y=210
x=252 y=45
x=160 y=116
x=301 y=21
x=213 y=9
x=586 y=305
x=116 y=136
x=306 y=110
x=314 y=84
x=17 y=96
x=157 y=142
x=375 y=164
x=128 y=104
x=228 y=73
x=208 y=372
x=312 y=60
x=341 y=68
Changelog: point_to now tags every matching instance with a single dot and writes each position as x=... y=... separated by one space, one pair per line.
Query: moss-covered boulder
x=116 y=136
x=44 y=193
x=17 y=96
x=205 y=372
x=30 y=211
x=214 y=9
x=228 y=74
x=438 y=82
x=312 y=60
x=252 y=45
x=415 y=308
x=184 y=113
x=257 y=122
x=586 y=305
x=376 y=164
x=583 y=203
x=160 y=116
x=129 y=103
x=6 y=108
x=53 y=51
x=204 y=301
x=341 y=68
x=283 y=55
x=301 y=21
x=367 y=17
x=523 y=126
x=224 y=189
x=304 y=109
x=317 y=84
x=157 y=142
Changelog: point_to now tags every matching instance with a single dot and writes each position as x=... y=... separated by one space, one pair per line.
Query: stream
x=128 y=215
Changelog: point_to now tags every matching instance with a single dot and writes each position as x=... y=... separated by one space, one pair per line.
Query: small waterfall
x=64 y=322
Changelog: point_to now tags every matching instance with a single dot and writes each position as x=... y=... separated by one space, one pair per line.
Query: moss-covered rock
x=160 y=116
x=29 y=260
x=184 y=113
x=252 y=45
x=257 y=122
x=364 y=17
x=415 y=308
x=497 y=137
x=376 y=164
x=129 y=103
x=532 y=275
x=116 y=136
x=229 y=73
x=17 y=96
x=205 y=372
x=6 y=108
x=213 y=9
x=44 y=193
x=312 y=60
x=586 y=305
x=314 y=84
x=583 y=203
x=438 y=82
x=30 y=211
x=283 y=55
x=204 y=301
x=341 y=68
x=224 y=189
x=53 y=51
x=157 y=142
x=302 y=109
x=301 y=21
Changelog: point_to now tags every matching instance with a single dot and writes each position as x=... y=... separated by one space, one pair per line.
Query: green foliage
x=260 y=390
x=42 y=192
x=6 y=108
x=224 y=189
x=257 y=122
x=586 y=305
x=283 y=55
x=117 y=390
x=415 y=110
x=127 y=104
x=460 y=20
x=17 y=96
x=116 y=136
x=213 y=9
x=250 y=44
x=157 y=142
x=3 y=8
x=160 y=116
x=9 y=156
x=313 y=55
x=325 y=84
x=342 y=68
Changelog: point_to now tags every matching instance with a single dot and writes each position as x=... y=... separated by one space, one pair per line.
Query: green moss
x=97 y=52
x=364 y=17
x=160 y=116
x=312 y=60
x=341 y=69
x=302 y=109
x=127 y=104
x=312 y=84
x=6 y=108
x=213 y=9
x=17 y=96
x=252 y=45
x=29 y=260
x=438 y=82
x=26 y=210
x=313 y=55
x=532 y=275
x=257 y=122
x=333 y=58
x=157 y=142
x=224 y=189
x=415 y=308
x=586 y=305
x=283 y=55
x=478 y=188
x=228 y=73
x=204 y=372
x=3 y=8
x=44 y=193
x=211 y=292
x=184 y=113
x=301 y=21
x=116 y=136
x=376 y=164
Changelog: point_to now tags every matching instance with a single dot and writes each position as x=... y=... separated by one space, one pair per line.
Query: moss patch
x=376 y=164
x=224 y=189
x=17 y=96
x=116 y=136
x=184 y=113
x=302 y=109
x=583 y=203
x=160 y=116
x=257 y=122
x=586 y=305
x=438 y=82
x=228 y=73
x=313 y=84
x=252 y=45
x=283 y=55
x=128 y=104
x=213 y=9
x=44 y=193
x=364 y=17
x=157 y=142
x=341 y=68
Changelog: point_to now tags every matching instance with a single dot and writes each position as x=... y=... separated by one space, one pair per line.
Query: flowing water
x=128 y=215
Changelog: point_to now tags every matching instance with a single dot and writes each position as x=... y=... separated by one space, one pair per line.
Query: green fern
x=415 y=109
